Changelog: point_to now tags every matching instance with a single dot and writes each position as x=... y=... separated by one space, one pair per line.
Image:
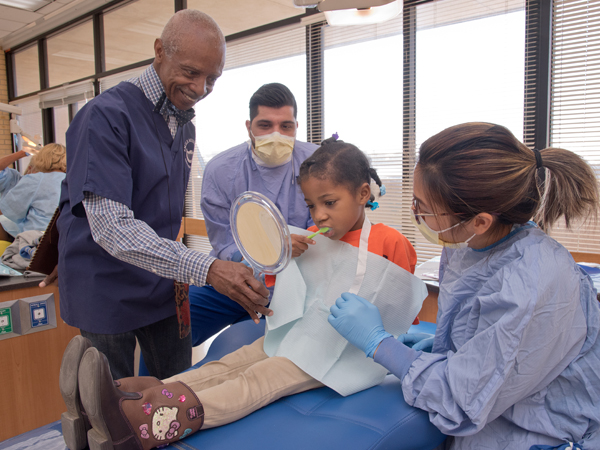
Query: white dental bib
x=311 y=283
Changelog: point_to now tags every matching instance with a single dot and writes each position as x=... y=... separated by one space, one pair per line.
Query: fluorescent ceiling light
x=334 y=5
x=28 y=5
x=363 y=16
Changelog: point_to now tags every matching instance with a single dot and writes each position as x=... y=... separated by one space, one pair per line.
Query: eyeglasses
x=416 y=209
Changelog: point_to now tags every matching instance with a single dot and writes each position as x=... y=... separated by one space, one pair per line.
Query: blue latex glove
x=358 y=321
x=418 y=341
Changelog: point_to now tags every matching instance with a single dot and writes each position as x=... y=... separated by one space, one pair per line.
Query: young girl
x=28 y=201
x=336 y=184
x=516 y=353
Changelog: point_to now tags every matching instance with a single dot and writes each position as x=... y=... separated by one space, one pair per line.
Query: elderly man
x=267 y=163
x=129 y=153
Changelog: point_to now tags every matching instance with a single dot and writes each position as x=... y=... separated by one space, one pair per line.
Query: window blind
x=113 y=80
x=30 y=122
x=469 y=67
x=67 y=94
x=575 y=99
x=273 y=56
x=430 y=68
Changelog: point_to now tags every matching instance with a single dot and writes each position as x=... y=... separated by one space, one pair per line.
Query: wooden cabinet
x=29 y=369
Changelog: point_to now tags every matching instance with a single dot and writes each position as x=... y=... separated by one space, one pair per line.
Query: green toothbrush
x=322 y=230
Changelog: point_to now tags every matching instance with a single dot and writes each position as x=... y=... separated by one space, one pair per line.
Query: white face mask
x=274 y=149
x=434 y=236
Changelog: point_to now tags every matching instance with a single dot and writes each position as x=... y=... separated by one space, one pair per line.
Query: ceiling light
x=355 y=12
x=364 y=16
x=28 y=5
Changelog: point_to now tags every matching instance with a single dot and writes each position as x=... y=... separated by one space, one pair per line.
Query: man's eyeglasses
x=417 y=211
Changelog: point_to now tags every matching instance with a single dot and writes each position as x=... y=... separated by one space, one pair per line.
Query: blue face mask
x=434 y=236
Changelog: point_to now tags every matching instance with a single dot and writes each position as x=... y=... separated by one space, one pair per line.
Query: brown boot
x=74 y=421
x=143 y=420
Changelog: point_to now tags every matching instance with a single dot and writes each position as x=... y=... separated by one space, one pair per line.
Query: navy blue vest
x=119 y=149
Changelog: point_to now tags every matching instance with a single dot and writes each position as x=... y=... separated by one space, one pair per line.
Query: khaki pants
x=242 y=382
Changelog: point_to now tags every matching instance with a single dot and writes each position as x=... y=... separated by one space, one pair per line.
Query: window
x=575 y=109
x=71 y=54
x=234 y=16
x=469 y=67
x=30 y=122
x=64 y=102
x=27 y=71
x=139 y=34
x=221 y=117
x=61 y=123
x=363 y=98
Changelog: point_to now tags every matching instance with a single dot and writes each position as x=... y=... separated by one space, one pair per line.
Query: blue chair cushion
x=377 y=418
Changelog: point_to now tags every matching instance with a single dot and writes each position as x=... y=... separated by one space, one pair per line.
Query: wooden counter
x=29 y=366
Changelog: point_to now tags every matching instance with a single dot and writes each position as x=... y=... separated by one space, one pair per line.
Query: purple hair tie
x=335 y=136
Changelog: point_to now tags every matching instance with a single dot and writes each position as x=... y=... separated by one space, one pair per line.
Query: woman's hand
x=300 y=244
x=418 y=341
x=358 y=321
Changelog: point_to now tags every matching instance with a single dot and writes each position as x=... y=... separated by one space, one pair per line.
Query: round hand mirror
x=260 y=233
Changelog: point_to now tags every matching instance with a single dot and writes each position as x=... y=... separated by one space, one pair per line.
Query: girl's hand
x=300 y=244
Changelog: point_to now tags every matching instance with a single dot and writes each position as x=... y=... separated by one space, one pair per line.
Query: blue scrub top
x=516 y=356
x=234 y=171
x=120 y=149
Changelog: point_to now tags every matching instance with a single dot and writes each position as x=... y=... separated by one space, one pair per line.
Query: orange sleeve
x=394 y=246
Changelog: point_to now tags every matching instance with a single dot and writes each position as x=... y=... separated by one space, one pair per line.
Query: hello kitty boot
x=74 y=421
x=142 y=420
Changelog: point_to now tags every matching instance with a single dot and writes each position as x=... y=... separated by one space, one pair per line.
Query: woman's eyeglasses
x=417 y=211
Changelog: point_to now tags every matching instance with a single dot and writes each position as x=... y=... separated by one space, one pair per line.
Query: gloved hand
x=358 y=321
x=417 y=341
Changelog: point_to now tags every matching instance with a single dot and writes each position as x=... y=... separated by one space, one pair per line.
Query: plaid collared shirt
x=117 y=231
x=150 y=84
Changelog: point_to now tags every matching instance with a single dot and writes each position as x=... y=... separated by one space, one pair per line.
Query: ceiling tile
x=50 y=8
x=9 y=25
x=18 y=15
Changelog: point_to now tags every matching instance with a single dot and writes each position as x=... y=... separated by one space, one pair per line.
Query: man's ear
x=159 y=51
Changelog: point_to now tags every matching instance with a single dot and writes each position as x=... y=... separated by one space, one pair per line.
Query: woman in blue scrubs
x=515 y=361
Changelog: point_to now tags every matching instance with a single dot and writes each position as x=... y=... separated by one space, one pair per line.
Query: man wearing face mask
x=267 y=163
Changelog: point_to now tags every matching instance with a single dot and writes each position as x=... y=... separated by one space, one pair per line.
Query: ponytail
x=480 y=167
x=568 y=188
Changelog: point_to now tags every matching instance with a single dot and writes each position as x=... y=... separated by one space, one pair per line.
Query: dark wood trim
x=315 y=107
x=180 y=5
x=538 y=54
x=409 y=119
x=99 y=53
x=10 y=75
x=48 y=125
x=43 y=63
x=72 y=111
